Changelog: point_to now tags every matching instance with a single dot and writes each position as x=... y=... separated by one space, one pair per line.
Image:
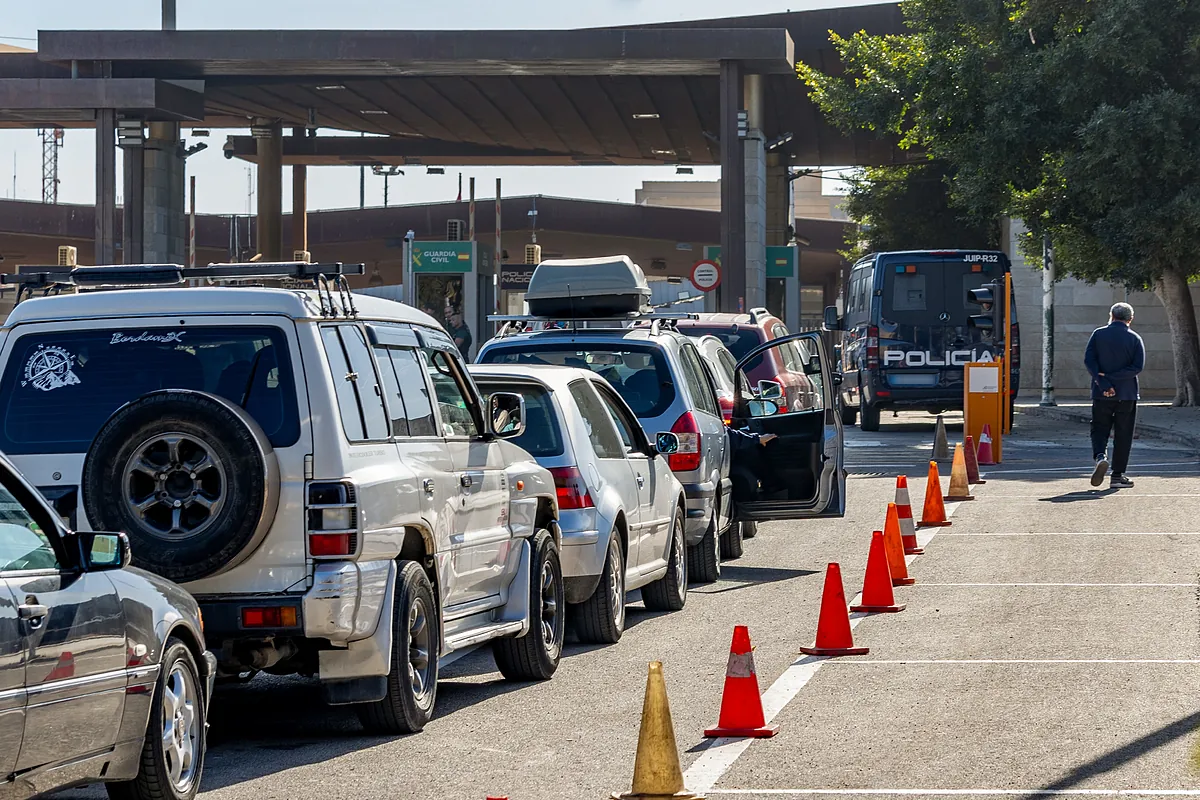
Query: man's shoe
x=1120 y=482
x=1100 y=471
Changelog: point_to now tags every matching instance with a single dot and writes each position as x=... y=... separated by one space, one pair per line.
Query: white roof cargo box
x=588 y=287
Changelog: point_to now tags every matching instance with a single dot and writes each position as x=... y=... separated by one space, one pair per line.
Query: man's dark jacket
x=1118 y=352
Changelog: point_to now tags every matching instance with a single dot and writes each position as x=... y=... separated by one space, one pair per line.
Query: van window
x=445 y=373
x=418 y=408
x=360 y=398
x=913 y=292
x=908 y=293
x=60 y=387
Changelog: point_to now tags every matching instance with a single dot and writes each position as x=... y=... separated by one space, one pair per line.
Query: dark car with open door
x=799 y=471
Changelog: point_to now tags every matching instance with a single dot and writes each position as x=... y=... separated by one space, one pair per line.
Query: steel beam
x=733 y=192
x=269 y=136
x=106 y=186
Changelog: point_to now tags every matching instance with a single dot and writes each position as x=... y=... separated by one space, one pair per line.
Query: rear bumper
x=700 y=498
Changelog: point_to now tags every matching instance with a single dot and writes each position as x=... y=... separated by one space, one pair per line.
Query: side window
x=23 y=544
x=791 y=358
x=360 y=397
x=698 y=386
x=391 y=387
x=601 y=432
x=621 y=419
x=445 y=373
x=418 y=408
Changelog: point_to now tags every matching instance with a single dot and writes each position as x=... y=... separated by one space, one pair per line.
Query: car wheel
x=868 y=413
x=601 y=618
x=849 y=414
x=669 y=593
x=173 y=751
x=534 y=656
x=749 y=530
x=704 y=559
x=731 y=541
x=412 y=681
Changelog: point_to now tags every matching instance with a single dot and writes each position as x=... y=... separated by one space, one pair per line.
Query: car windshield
x=740 y=341
x=639 y=373
x=542 y=437
x=59 y=388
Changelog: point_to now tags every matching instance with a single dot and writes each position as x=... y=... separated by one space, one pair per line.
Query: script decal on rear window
x=165 y=337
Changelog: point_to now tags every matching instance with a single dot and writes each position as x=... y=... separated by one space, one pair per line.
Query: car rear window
x=59 y=388
x=543 y=436
x=738 y=340
x=639 y=373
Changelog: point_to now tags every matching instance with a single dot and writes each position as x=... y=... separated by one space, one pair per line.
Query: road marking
x=1072 y=585
x=967 y=792
x=1083 y=469
x=1084 y=493
x=1078 y=533
x=721 y=754
x=956 y=661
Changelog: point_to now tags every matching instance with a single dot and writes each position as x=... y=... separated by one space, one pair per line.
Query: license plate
x=912 y=379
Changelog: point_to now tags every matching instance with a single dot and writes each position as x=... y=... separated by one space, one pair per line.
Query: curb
x=1140 y=430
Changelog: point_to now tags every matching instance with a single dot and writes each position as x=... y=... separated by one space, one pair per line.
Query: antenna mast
x=52 y=141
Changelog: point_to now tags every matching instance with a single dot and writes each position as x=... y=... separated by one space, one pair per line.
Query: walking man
x=1114 y=357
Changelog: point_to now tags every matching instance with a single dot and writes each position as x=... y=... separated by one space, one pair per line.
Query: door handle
x=466 y=481
x=33 y=613
x=641 y=481
x=427 y=485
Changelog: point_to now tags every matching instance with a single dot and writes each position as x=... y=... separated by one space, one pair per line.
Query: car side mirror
x=770 y=390
x=105 y=551
x=666 y=443
x=837 y=378
x=506 y=410
x=831 y=321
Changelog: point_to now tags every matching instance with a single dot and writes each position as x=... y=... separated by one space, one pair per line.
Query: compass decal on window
x=49 y=368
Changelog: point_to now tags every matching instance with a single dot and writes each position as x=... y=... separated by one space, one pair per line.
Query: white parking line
x=718 y=757
x=960 y=661
x=1069 y=585
x=1076 y=533
x=967 y=792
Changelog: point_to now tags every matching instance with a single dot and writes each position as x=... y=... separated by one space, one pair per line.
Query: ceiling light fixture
x=663 y=152
x=780 y=141
x=436 y=171
x=646 y=116
x=373 y=112
x=684 y=171
x=331 y=87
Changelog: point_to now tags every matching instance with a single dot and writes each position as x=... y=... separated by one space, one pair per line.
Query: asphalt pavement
x=1051 y=646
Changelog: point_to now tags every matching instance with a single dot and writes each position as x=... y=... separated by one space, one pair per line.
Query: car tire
x=749 y=530
x=849 y=414
x=704 y=559
x=190 y=477
x=868 y=414
x=535 y=656
x=412 y=680
x=669 y=593
x=171 y=770
x=601 y=618
x=731 y=541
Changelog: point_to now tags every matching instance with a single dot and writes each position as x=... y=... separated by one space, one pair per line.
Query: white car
x=316 y=467
x=621 y=509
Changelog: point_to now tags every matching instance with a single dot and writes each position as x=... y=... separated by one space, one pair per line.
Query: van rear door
x=924 y=333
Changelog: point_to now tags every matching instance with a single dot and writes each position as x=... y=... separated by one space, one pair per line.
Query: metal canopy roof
x=641 y=95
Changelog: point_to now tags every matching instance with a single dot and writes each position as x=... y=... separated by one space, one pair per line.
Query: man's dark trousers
x=1110 y=415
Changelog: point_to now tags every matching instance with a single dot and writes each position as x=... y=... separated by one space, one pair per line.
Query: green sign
x=441 y=257
x=781 y=259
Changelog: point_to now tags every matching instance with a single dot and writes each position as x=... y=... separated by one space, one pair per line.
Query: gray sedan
x=103 y=671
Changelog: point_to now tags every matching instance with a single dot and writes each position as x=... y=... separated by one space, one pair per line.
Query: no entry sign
x=706 y=275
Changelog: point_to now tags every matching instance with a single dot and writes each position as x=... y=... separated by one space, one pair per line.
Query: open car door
x=788 y=460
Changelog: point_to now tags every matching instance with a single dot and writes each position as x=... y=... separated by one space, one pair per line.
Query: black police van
x=908 y=330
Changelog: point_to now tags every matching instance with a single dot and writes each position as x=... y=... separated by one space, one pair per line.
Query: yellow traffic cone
x=960 y=488
x=656 y=771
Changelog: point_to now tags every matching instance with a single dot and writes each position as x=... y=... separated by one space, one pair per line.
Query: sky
x=224 y=186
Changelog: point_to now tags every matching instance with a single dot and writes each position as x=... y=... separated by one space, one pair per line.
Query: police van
x=907 y=331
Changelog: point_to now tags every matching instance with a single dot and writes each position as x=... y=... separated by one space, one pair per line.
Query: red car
x=741 y=333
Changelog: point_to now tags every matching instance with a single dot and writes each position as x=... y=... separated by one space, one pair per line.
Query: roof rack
x=655 y=318
x=326 y=278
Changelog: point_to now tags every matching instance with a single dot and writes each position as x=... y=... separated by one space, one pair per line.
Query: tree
x=907 y=207
x=1078 y=117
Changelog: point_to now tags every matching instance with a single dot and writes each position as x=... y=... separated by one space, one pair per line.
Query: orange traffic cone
x=985 y=446
x=904 y=517
x=934 y=513
x=877 y=596
x=972 y=462
x=959 y=489
x=741 y=704
x=833 y=628
x=893 y=545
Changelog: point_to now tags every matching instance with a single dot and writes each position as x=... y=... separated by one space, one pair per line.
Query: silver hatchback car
x=621 y=509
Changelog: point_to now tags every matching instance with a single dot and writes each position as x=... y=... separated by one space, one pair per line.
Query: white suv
x=317 y=468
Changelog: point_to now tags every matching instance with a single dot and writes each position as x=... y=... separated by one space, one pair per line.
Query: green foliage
x=908 y=208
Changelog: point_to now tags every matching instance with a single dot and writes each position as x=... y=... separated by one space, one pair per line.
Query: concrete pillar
x=131 y=138
x=165 y=225
x=106 y=186
x=733 y=192
x=299 y=203
x=269 y=137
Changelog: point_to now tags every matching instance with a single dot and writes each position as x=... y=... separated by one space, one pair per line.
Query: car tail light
x=872 y=348
x=726 y=404
x=571 y=488
x=332 y=515
x=687 y=458
x=270 y=617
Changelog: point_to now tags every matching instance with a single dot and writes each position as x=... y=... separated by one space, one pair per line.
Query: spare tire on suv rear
x=189 y=476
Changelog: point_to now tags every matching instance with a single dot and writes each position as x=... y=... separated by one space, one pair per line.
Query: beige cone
x=656 y=771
